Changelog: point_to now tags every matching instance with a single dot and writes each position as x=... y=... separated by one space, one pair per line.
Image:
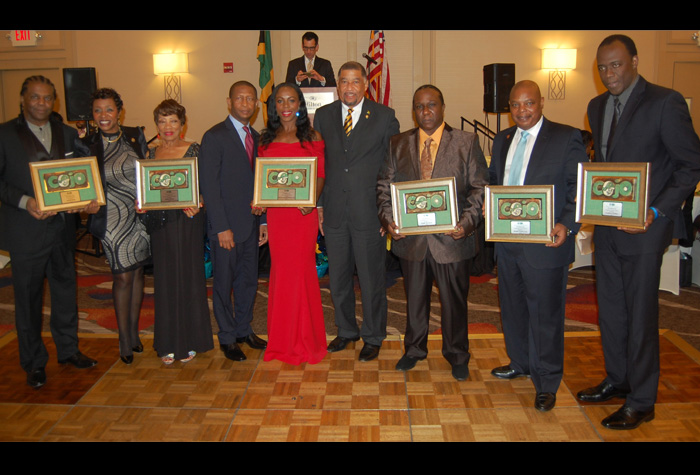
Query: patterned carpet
x=678 y=313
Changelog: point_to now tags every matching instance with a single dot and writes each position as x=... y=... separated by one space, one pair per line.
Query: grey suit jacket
x=554 y=161
x=352 y=163
x=459 y=155
x=655 y=127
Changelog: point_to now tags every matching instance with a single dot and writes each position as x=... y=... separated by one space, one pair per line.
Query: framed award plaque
x=519 y=213
x=285 y=182
x=167 y=184
x=612 y=193
x=425 y=206
x=69 y=184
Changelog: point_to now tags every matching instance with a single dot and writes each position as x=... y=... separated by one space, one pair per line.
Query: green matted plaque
x=285 y=182
x=425 y=206
x=519 y=213
x=167 y=184
x=612 y=193
x=68 y=184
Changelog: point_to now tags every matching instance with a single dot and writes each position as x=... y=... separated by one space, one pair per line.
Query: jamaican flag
x=267 y=74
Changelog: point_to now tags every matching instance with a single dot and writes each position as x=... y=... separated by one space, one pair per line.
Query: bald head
x=526 y=104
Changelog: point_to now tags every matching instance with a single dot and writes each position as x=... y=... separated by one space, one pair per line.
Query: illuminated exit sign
x=23 y=37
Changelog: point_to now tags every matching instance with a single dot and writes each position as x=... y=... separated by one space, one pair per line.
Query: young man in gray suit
x=356 y=132
x=435 y=150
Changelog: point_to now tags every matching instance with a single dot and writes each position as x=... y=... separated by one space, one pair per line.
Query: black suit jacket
x=655 y=127
x=352 y=163
x=226 y=181
x=554 y=161
x=322 y=67
x=92 y=146
x=19 y=231
x=458 y=156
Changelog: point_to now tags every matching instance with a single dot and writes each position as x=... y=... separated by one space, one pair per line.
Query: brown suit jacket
x=458 y=156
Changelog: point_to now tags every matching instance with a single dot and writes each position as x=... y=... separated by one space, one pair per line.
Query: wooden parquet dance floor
x=339 y=399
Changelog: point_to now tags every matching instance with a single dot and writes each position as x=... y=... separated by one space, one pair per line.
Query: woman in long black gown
x=182 y=321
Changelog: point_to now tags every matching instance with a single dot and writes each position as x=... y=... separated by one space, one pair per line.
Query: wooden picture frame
x=425 y=206
x=519 y=213
x=612 y=193
x=167 y=184
x=66 y=184
x=283 y=182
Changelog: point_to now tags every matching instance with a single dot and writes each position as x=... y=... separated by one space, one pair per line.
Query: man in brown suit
x=445 y=258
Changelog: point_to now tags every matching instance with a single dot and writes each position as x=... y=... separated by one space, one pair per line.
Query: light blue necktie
x=516 y=165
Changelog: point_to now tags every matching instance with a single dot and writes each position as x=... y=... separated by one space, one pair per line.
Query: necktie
x=426 y=161
x=613 y=123
x=516 y=165
x=249 y=145
x=348 y=123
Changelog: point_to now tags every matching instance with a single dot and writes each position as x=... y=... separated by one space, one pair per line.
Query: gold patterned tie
x=348 y=123
x=426 y=161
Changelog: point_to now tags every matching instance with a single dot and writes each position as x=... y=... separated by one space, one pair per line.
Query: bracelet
x=656 y=213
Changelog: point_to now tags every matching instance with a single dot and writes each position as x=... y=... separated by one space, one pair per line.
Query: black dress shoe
x=36 y=378
x=79 y=360
x=460 y=372
x=253 y=341
x=137 y=349
x=507 y=372
x=127 y=359
x=406 y=362
x=545 y=401
x=369 y=352
x=233 y=352
x=627 y=418
x=339 y=343
x=603 y=392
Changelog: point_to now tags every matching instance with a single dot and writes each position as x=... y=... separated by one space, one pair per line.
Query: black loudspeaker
x=499 y=79
x=79 y=84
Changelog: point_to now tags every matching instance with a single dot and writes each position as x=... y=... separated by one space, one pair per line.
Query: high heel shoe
x=190 y=355
x=128 y=359
x=138 y=349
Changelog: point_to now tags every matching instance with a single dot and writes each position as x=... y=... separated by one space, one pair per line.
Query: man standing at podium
x=310 y=70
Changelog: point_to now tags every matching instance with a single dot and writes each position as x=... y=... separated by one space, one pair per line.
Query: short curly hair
x=108 y=93
x=170 y=107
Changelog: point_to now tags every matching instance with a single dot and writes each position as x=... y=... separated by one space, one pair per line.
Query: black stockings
x=127 y=290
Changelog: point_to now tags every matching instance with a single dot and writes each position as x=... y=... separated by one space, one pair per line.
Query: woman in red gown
x=295 y=323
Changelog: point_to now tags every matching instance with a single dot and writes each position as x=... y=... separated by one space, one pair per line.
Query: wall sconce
x=558 y=61
x=168 y=65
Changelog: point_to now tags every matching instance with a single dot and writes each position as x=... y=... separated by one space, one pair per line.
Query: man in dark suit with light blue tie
x=532 y=277
x=651 y=124
x=226 y=173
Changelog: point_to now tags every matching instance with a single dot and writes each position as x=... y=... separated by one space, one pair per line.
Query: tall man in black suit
x=310 y=70
x=41 y=244
x=532 y=277
x=651 y=124
x=435 y=150
x=226 y=172
x=356 y=132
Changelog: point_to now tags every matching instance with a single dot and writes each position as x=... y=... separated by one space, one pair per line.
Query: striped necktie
x=348 y=123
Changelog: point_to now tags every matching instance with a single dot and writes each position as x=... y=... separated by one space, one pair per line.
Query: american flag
x=378 y=69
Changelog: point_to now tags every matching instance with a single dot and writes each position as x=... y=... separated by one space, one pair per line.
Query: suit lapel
x=442 y=156
x=504 y=155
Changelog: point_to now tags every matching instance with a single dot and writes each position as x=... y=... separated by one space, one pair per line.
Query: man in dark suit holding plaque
x=310 y=70
x=356 y=132
x=532 y=277
x=41 y=244
x=636 y=121
x=226 y=172
x=435 y=150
